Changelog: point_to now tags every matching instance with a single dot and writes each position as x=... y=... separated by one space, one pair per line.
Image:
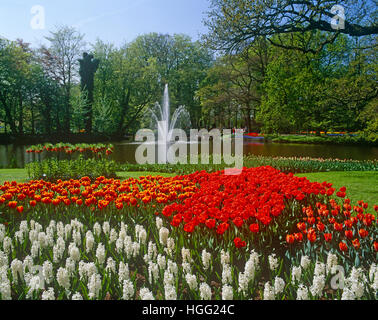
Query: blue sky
x=113 y=21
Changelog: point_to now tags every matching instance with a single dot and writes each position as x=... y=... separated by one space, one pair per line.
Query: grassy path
x=361 y=185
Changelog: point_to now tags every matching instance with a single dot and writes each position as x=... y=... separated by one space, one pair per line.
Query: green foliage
x=53 y=169
x=294 y=165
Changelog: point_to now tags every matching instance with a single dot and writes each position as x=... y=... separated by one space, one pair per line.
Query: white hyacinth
x=67 y=231
x=28 y=263
x=227 y=292
x=185 y=254
x=127 y=290
x=63 y=278
x=70 y=266
x=225 y=257
x=331 y=262
x=273 y=261
x=135 y=247
x=169 y=278
x=110 y=265
x=205 y=291
x=159 y=223
x=268 y=292
x=97 y=229
x=58 y=249
x=123 y=271
x=373 y=277
x=2 y=231
x=206 y=259
x=226 y=274
x=74 y=252
x=60 y=229
x=153 y=272
x=7 y=245
x=318 y=284
x=48 y=294
x=191 y=280
x=302 y=293
x=152 y=250
x=243 y=283
x=119 y=245
x=140 y=234
x=163 y=236
x=5 y=287
x=113 y=236
x=128 y=246
x=19 y=236
x=279 y=285
x=172 y=267
x=47 y=271
x=348 y=294
x=161 y=261
x=17 y=270
x=146 y=294
x=77 y=296
x=170 y=292
x=89 y=241
x=296 y=273
x=35 y=249
x=305 y=262
x=106 y=227
x=320 y=269
x=42 y=239
x=76 y=237
x=3 y=259
x=94 y=286
x=100 y=253
x=33 y=236
x=186 y=267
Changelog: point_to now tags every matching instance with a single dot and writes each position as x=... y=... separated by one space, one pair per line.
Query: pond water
x=16 y=156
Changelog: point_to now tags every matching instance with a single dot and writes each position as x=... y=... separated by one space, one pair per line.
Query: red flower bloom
x=343 y=246
x=311 y=235
x=349 y=234
x=363 y=233
x=298 y=236
x=210 y=223
x=356 y=244
x=222 y=227
x=239 y=243
x=289 y=238
x=328 y=237
x=254 y=227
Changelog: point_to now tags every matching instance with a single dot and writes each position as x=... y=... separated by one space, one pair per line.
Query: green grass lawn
x=21 y=175
x=361 y=185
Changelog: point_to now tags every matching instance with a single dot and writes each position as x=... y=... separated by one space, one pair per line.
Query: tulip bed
x=98 y=149
x=263 y=234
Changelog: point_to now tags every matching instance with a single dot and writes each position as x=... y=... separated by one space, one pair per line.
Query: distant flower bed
x=97 y=149
x=284 y=164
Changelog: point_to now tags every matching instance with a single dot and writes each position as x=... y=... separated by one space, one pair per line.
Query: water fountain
x=161 y=120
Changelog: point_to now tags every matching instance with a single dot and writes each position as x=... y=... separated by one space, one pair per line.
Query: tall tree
x=60 y=61
x=88 y=67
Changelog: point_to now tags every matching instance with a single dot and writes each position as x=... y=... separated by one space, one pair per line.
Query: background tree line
x=275 y=67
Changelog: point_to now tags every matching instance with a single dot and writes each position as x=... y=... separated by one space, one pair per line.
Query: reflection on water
x=16 y=156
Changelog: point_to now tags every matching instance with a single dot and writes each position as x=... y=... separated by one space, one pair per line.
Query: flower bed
x=206 y=235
